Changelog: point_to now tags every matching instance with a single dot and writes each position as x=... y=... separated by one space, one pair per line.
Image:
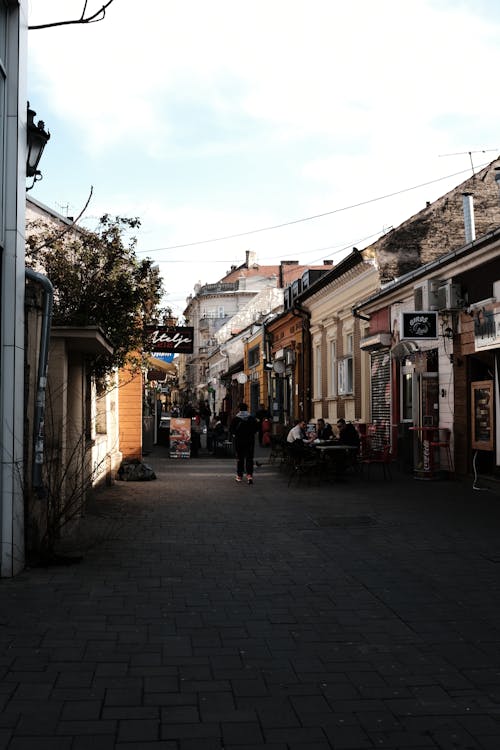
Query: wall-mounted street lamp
x=37 y=138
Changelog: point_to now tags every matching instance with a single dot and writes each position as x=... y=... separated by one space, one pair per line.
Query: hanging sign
x=419 y=325
x=175 y=339
x=487 y=329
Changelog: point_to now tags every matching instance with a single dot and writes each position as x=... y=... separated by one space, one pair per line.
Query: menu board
x=180 y=437
x=482 y=415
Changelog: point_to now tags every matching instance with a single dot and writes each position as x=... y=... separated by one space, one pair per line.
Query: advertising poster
x=180 y=437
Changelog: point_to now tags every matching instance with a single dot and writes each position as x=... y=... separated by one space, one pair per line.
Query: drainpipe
x=43 y=361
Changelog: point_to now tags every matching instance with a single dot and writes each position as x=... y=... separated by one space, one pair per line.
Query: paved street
x=208 y=615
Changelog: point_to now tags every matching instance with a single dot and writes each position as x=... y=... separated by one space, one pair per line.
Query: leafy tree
x=98 y=280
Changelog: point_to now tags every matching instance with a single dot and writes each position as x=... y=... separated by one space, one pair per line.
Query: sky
x=297 y=129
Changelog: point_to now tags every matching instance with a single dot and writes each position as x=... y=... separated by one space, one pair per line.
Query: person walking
x=243 y=428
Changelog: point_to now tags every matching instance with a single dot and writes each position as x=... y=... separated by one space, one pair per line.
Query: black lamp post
x=37 y=137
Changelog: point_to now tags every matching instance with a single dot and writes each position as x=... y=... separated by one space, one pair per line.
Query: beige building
x=340 y=373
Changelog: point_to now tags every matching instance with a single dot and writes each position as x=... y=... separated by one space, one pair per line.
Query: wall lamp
x=37 y=138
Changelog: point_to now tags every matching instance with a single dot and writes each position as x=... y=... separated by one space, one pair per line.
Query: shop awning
x=375 y=341
x=404 y=349
x=158 y=364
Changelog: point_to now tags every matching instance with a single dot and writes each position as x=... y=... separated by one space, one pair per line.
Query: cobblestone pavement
x=355 y=614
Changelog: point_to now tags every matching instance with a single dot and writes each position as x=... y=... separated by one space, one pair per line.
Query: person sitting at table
x=348 y=434
x=298 y=431
x=323 y=430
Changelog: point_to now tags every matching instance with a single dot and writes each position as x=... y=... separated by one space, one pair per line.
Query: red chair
x=443 y=442
x=381 y=457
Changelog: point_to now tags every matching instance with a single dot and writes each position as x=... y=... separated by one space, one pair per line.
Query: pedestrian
x=262 y=414
x=205 y=413
x=243 y=428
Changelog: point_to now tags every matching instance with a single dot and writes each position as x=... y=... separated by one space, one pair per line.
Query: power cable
x=307 y=218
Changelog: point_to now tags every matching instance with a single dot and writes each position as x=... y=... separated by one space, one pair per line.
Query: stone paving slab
x=359 y=613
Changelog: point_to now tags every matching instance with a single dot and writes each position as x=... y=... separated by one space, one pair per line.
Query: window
x=333 y=369
x=101 y=410
x=253 y=356
x=345 y=370
x=317 y=372
x=220 y=312
x=345 y=376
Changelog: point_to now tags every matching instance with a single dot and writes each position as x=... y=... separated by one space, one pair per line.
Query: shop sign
x=419 y=325
x=487 y=329
x=176 y=339
x=168 y=358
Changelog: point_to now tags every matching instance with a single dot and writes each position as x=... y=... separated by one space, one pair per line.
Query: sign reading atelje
x=177 y=339
x=419 y=325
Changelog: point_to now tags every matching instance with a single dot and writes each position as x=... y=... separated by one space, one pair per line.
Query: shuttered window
x=381 y=392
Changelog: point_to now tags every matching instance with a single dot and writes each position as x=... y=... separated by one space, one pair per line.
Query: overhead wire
x=306 y=218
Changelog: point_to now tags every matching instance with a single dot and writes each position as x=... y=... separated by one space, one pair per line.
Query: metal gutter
x=43 y=360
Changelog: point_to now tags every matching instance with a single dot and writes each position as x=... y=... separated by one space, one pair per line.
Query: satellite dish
x=279 y=366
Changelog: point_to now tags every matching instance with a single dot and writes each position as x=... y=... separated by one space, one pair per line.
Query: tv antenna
x=464 y=153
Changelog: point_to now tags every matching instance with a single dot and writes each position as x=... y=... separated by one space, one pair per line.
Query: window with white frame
x=220 y=312
x=345 y=368
x=332 y=381
x=318 y=375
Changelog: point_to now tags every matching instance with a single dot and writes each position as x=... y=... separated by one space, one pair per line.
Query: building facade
x=13 y=124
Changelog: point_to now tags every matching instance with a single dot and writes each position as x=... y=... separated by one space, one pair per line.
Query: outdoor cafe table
x=336 y=453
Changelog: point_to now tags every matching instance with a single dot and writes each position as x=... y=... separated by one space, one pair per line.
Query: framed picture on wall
x=482 y=415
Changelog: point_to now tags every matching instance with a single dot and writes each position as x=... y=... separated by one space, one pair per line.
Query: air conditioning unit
x=450 y=296
x=426 y=294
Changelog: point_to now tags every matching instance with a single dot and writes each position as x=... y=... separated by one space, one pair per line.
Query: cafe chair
x=301 y=463
x=277 y=454
x=443 y=443
x=382 y=457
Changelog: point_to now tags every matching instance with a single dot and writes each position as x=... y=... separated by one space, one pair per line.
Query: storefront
x=480 y=387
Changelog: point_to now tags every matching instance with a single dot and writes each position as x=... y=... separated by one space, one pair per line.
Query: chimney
x=468 y=208
x=251 y=258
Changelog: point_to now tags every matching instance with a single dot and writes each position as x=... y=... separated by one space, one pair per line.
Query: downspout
x=43 y=361
x=356 y=314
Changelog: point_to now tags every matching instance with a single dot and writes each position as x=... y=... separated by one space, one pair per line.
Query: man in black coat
x=243 y=428
x=348 y=434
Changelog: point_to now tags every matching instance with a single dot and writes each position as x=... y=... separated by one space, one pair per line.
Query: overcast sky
x=209 y=119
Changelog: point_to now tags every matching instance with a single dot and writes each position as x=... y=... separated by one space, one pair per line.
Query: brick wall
x=439 y=228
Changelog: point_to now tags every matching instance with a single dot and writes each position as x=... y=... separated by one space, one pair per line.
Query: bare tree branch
x=66 y=229
x=97 y=16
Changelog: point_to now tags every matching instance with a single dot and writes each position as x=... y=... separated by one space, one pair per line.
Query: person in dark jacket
x=243 y=428
x=323 y=430
x=348 y=434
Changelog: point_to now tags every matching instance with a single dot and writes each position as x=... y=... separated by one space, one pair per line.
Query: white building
x=13 y=56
